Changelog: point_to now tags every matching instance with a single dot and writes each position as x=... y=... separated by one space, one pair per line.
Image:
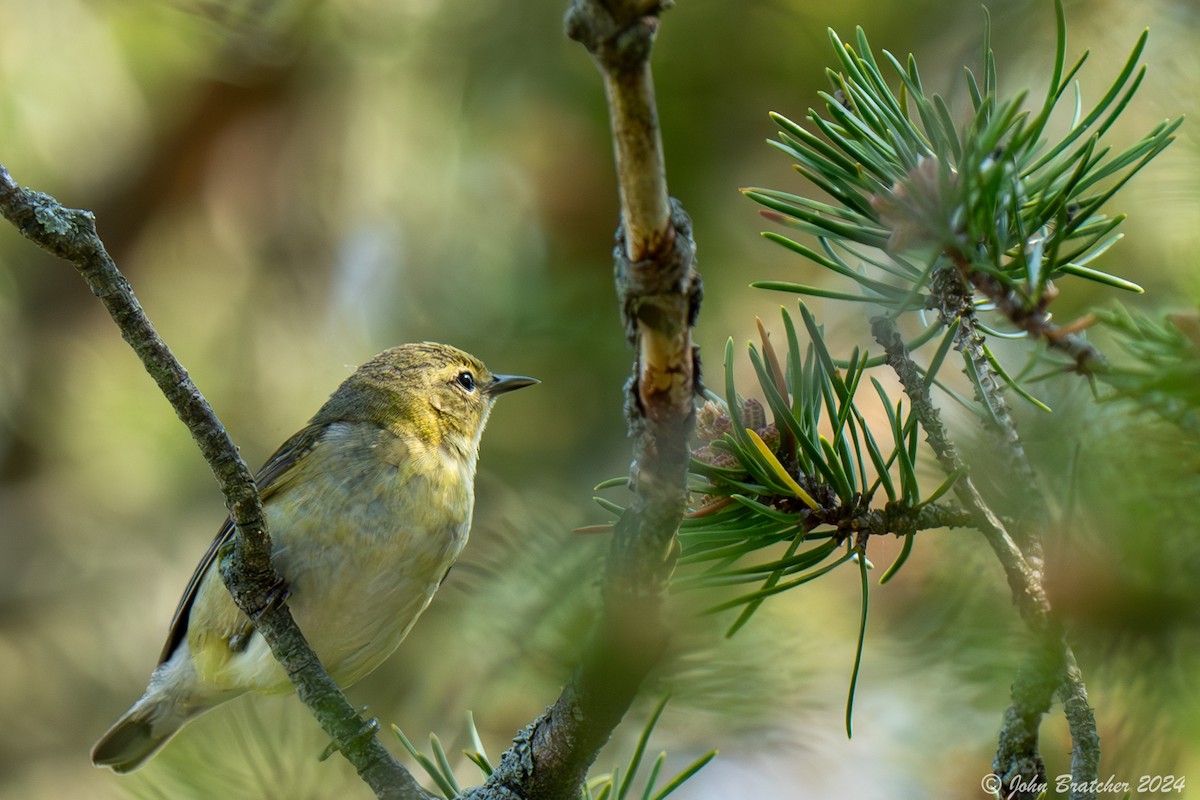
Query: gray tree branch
x=71 y=235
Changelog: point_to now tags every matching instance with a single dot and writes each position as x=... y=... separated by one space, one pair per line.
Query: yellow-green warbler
x=368 y=507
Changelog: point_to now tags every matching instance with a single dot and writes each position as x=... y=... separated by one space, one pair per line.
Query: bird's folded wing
x=276 y=474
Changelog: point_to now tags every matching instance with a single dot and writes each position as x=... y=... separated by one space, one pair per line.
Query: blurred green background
x=293 y=186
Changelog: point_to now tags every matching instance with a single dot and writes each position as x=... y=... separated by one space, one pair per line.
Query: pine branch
x=982 y=218
x=71 y=235
x=1056 y=668
x=1081 y=721
x=659 y=294
x=1023 y=579
x=953 y=300
x=1052 y=666
x=1035 y=319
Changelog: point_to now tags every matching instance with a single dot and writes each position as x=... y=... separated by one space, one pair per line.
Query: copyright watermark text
x=1062 y=784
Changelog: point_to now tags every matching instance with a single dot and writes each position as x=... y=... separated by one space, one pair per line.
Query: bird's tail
x=141 y=732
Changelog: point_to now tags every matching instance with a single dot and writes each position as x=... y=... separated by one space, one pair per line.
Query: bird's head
x=434 y=393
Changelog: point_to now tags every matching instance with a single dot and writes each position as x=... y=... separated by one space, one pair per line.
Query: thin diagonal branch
x=71 y=234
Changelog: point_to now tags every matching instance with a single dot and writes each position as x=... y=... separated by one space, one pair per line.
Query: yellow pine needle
x=780 y=472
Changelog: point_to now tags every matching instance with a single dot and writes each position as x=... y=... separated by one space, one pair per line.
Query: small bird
x=367 y=506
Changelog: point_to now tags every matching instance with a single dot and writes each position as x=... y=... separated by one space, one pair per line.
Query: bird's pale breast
x=363 y=538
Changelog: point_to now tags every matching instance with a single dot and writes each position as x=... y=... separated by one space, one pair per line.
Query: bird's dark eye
x=466 y=380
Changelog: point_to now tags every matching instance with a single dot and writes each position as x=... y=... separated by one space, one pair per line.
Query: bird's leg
x=275 y=597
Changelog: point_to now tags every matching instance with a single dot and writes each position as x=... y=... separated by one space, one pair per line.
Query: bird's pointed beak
x=506 y=383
